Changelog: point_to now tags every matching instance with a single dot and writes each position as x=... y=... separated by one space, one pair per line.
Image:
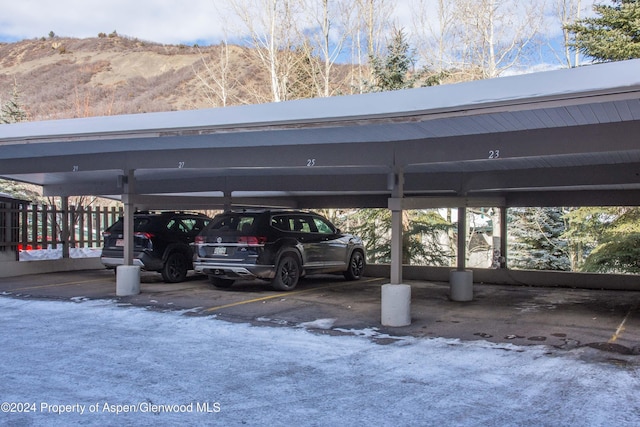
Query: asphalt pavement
x=608 y=321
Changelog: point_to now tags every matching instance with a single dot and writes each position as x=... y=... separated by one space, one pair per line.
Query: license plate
x=220 y=250
x=120 y=242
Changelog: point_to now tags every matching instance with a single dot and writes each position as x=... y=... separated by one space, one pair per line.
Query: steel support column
x=396 y=297
x=128 y=275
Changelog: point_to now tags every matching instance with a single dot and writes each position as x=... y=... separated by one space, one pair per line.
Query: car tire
x=220 y=283
x=175 y=268
x=356 y=266
x=287 y=273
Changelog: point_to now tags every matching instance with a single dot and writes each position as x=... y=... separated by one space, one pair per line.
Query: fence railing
x=27 y=226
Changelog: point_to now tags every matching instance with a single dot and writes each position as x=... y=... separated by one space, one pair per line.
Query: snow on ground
x=105 y=363
x=44 y=254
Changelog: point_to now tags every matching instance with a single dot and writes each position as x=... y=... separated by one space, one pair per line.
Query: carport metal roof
x=565 y=137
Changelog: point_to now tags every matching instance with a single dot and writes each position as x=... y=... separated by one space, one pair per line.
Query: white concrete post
x=461 y=279
x=128 y=275
x=396 y=296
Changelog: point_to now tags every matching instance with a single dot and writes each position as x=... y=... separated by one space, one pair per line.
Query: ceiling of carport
x=561 y=137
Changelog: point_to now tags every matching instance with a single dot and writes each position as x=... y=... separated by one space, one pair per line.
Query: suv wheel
x=287 y=274
x=175 y=268
x=356 y=266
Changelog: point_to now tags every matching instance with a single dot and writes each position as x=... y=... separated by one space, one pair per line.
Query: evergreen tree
x=395 y=70
x=537 y=241
x=421 y=235
x=614 y=35
x=303 y=75
x=12 y=111
x=611 y=237
x=392 y=71
x=585 y=227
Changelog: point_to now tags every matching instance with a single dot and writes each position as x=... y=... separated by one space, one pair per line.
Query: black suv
x=280 y=246
x=162 y=242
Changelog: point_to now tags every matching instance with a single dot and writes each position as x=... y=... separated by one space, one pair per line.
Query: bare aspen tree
x=329 y=22
x=217 y=78
x=568 y=12
x=369 y=30
x=272 y=35
x=496 y=33
x=433 y=22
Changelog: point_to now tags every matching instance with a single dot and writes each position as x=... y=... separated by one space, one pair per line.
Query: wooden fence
x=25 y=226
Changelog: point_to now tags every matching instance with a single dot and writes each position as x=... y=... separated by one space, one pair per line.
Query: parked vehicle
x=162 y=242
x=280 y=246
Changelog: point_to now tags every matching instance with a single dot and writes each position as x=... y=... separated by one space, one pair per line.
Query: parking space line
x=81 y=282
x=304 y=291
x=620 y=329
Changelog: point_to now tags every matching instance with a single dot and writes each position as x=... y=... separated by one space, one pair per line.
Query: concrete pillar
x=461 y=285
x=461 y=279
x=128 y=275
x=127 y=280
x=396 y=296
x=396 y=305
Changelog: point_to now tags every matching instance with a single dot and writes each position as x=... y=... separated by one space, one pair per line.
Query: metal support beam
x=462 y=239
x=128 y=181
x=396 y=229
x=396 y=297
x=128 y=275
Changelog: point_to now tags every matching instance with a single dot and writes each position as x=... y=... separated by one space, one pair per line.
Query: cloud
x=164 y=21
x=195 y=21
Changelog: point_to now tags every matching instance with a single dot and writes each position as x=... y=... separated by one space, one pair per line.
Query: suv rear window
x=242 y=223
x=139 y=224
x=301 y=224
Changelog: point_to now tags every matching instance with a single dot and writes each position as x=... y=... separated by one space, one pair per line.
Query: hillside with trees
x=57 y=77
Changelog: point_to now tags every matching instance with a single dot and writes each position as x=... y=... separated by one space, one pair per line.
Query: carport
x=558 y=138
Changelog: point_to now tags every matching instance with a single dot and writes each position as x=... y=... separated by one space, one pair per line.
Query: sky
x=206 y=22
x=101 y=362
x=162 y=21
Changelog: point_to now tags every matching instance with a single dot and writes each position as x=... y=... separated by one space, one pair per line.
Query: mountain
x=67 y=78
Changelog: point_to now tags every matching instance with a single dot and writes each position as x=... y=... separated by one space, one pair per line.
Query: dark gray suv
x=162 y=242
x=280 y=246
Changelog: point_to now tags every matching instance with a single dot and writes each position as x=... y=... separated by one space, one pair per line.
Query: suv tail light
x=252 y=240
x=144 y=235
x=106 y=234
x=199 y=240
